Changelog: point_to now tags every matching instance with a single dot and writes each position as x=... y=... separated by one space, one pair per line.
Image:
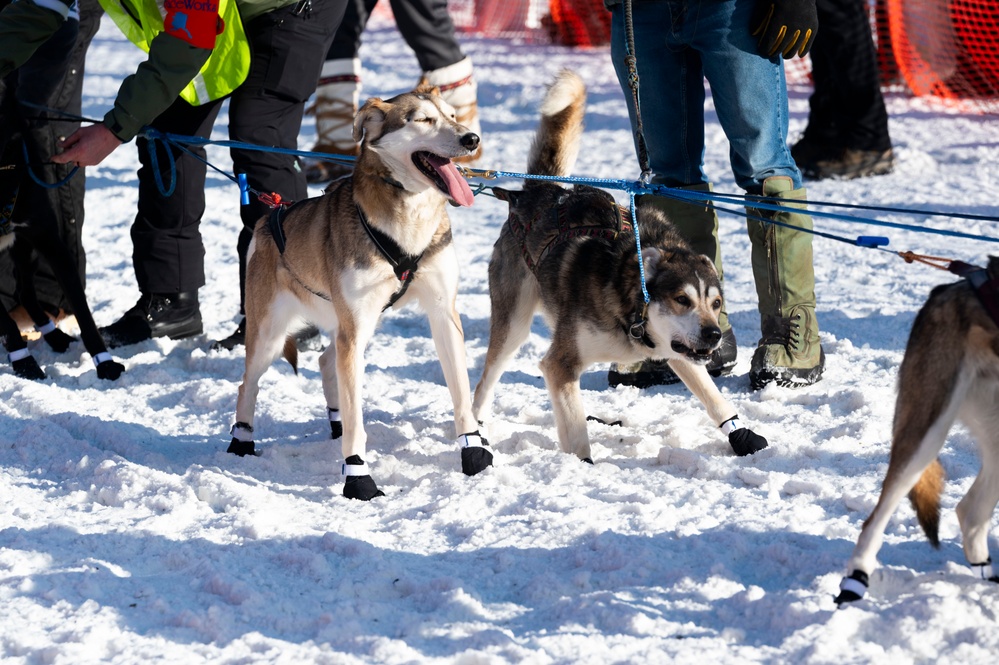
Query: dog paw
x=613 y=423
x=109 y=370
x=475 y=455
x=745 y=441
x=27 y=368
x=58 y=340
x=474 y=460
x=362 y=488
x=336 y=425
x=586 y=459
x=852 y=588
x=241 y=448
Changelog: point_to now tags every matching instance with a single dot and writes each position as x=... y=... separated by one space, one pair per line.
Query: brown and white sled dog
x=377 y=238
x=571 y=254
x=950 y=371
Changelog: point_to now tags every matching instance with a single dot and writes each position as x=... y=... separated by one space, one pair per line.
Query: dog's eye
x=683 y=301
x=717 y=304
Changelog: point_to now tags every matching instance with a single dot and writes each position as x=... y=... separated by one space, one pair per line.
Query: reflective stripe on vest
x=141 y=20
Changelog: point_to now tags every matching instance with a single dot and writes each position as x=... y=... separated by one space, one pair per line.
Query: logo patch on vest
x=193 y=21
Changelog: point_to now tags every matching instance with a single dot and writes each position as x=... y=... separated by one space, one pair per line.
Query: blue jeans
x=679 y=43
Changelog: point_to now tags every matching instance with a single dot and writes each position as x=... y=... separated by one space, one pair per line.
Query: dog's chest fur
x=333 y=223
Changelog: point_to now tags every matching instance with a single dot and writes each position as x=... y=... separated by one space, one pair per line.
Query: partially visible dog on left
x=20 y=233
x=377 y=238
x=950 y=371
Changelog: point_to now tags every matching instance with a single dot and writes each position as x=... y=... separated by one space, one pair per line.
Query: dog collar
x=636 y=330
x=392 y=181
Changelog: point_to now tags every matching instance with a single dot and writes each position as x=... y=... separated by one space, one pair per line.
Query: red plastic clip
x=272 y=200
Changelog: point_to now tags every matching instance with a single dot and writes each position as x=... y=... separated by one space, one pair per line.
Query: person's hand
x=787 y=27
x=88 y=146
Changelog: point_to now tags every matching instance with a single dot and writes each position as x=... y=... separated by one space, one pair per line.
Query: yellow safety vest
x=141 y=20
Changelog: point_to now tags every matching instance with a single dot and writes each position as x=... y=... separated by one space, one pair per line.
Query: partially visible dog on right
x=950 y=371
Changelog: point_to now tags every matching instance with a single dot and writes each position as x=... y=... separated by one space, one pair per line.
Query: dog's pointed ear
x=651 y=256
x=368 y=121
x=708 y=264
x=426 y=88
x=993 y=267
x=508 y=195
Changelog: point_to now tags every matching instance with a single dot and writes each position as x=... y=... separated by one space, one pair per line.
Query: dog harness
x=565 y=228
x=986 y=288
x=404 y=265
x=614 y=221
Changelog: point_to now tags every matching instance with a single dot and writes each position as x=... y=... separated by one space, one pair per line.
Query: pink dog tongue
x=457 y=187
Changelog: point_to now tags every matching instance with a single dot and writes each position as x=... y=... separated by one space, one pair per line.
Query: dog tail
x=925 y=499
x=291 y=352
x=556 y=145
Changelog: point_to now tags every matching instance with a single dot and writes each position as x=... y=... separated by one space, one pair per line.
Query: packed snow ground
x=128 y=535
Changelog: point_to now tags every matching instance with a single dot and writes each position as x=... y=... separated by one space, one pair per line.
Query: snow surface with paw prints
x=128 y=534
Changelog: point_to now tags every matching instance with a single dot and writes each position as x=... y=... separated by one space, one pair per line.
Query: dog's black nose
x=711 y=334
x=470 y=141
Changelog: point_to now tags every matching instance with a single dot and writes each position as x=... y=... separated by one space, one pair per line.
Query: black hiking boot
x=175 y=315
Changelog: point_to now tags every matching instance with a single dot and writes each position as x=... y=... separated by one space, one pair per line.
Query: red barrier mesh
x=947 y=49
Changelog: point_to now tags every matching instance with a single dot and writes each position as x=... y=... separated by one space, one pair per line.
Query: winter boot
x=337 y=98
x=789 y=353
x=175 y=315
x=458 y=89
x=698 y=224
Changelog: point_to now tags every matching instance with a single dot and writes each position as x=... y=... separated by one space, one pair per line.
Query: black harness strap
x=563 y=230
x=985 y=287
x=404 y=265
x=275 y=224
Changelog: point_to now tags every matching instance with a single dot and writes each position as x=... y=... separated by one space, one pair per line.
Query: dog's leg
x=931 y=391
x=350 y=341
x=974 y=512
x=743 y=440
x=437 y=296
x=327 y=368
x=561 y=368
x=266 y=329
x=61 y=262
x=514 y=299
x=24 y=364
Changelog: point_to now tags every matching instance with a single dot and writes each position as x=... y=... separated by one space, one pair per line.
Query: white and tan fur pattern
x=333 y=275
x=588 y=288
x=950 y=371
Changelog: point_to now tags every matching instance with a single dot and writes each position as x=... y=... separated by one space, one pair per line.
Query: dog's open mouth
x=443 y=173
x=693 y=355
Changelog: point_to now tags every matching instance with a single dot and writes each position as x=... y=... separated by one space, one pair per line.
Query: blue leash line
x=38 y=181
x=638 y=247
x=197 y=140
x=631 y=187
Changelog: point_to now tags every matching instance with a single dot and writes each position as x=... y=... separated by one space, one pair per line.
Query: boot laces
x=783 y=330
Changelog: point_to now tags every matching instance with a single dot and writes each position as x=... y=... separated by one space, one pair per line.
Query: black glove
x=787 y=27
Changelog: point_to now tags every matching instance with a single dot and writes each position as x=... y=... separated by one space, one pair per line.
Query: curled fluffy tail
x=556 y=145
x=925 y=498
